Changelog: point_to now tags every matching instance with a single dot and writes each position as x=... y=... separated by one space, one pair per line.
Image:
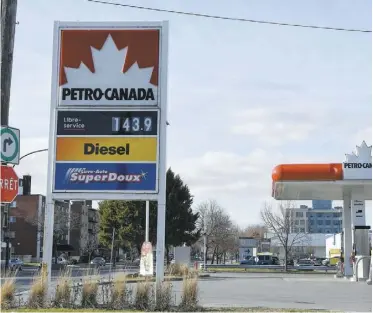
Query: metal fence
x=273 y=267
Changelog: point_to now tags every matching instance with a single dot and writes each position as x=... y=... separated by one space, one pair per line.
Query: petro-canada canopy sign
x=358 y=164
x=109 y=67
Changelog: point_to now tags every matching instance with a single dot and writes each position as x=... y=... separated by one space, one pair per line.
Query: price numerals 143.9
x=132 y=124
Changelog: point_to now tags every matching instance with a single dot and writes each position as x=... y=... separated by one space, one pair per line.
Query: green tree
x=181 y=221
x=128 y=217
x=120 y=216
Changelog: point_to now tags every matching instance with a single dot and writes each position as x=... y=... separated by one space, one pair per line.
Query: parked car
x=15 y=264
x=98 y=261
x=261 y=260
x=317 y=261
x=305 y=263
x=325 y=262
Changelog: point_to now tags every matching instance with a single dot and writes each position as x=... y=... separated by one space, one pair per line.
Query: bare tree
x=256 y=231
x=217 y=227
x=281 y=224
x=91 y=246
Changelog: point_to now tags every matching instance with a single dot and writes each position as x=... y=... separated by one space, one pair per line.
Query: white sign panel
x=358 y=212
x=146 y=260
x=358 y=165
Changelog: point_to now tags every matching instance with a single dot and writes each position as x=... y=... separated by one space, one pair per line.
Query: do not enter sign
x=8 y=184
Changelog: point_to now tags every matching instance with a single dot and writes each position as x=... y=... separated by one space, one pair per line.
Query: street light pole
x=30 y=153
x=204 y=244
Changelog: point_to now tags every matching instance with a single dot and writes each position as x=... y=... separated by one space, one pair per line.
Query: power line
x=230 y=18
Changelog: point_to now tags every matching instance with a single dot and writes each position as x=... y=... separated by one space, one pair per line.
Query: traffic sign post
x=10 y=138
x=8 y=184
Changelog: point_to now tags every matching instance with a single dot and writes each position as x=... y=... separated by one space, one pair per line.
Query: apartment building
x=327 y=221
x=75 y=227
x=316 y=220
x=26 y=225
x=84 y=228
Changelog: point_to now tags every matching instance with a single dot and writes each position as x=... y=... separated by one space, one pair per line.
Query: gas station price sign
x=107 y=123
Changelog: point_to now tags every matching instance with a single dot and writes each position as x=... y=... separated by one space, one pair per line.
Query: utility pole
x=8 y=27
x=112 y=251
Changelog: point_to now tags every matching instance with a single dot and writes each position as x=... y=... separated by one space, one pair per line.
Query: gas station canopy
x=325 y=181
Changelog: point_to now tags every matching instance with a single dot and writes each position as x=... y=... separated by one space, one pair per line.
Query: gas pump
x=361 y=248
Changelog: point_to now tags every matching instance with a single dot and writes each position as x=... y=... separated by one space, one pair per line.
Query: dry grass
x=8 y=289
x=178 y=270
x=119 y=293
x=143 y=297
x=62 y=298
x=38 y=291
x=189 y=297
x=89 y=293
x=163 y=298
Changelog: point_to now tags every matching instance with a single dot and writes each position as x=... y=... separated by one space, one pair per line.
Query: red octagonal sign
x=9 y=184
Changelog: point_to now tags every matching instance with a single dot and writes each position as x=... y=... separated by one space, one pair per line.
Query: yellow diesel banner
x=140 y=149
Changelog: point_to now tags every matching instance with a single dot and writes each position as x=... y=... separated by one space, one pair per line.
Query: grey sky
x=243 y=97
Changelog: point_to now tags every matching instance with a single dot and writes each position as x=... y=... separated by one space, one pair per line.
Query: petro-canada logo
x=108 y=85
x=358 y=165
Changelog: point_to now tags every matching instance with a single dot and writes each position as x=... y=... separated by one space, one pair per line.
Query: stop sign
x=8 y=184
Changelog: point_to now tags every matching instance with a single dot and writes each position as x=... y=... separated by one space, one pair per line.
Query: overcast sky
x=243 y=97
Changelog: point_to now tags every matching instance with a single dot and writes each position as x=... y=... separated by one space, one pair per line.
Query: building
x=246 y=247
x=302 y=246
x=75 y=227
x=84 y=228
x=322 y=204
x=26 y=225
x=327 y=221
x=312 y=220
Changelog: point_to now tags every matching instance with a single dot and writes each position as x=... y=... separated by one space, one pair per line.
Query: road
x=271 y=290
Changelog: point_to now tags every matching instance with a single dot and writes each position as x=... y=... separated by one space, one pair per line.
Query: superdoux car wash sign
x=108 y=101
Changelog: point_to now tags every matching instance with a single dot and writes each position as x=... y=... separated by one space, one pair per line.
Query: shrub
x=163 y=298
x=119 y=293
x=142 y=297
x=89 y=292
x=7 y=296
x=63 y=297
x=189 y=296
x=38 y=292
x=178 y=269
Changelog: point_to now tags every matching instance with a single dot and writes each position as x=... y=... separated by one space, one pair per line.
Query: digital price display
x=107 y=123
x=132 y=124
